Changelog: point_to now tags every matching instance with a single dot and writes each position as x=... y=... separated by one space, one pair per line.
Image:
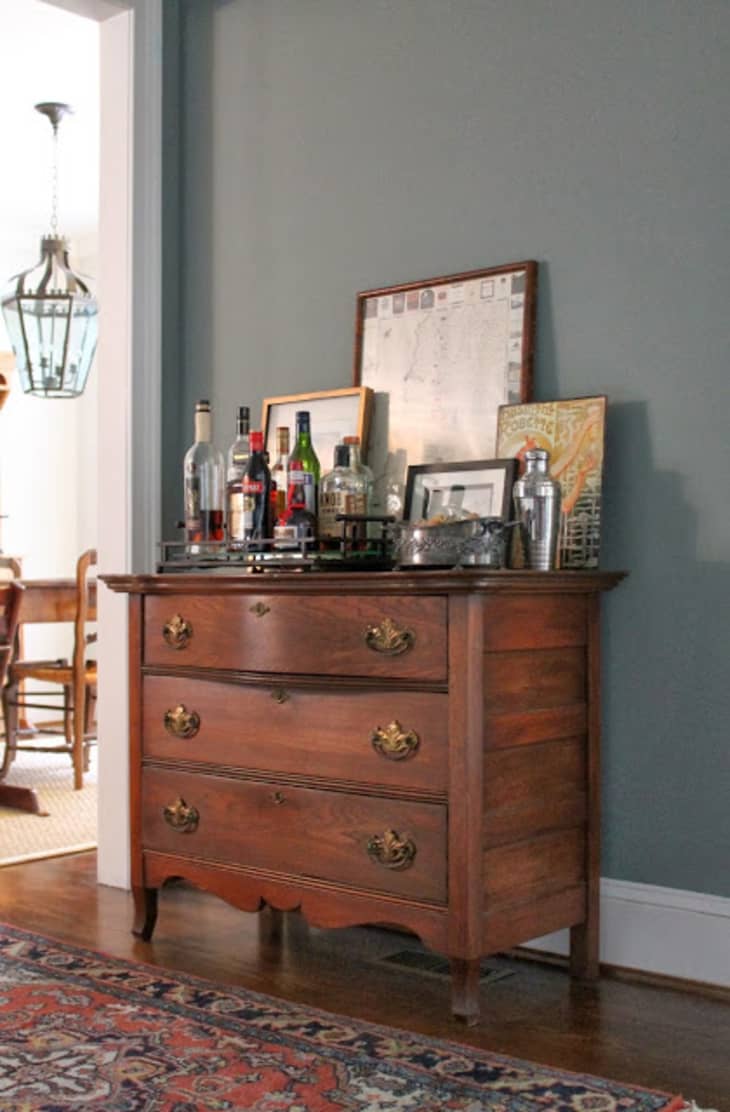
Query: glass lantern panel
x=11 y=313
x=46 y=327
x=81 y=343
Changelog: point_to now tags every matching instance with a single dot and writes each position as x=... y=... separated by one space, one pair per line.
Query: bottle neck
x=355 y=461
x=203 y=427
x=282 y=445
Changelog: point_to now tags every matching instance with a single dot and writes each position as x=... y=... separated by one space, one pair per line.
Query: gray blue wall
x=321 y=147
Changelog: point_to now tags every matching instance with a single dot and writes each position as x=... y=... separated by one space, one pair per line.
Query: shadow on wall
x=667 y=702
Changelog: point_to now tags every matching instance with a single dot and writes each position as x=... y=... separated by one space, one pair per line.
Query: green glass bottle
x=303 y=476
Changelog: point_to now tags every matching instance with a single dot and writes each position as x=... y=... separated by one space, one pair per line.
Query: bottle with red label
x=249 y=506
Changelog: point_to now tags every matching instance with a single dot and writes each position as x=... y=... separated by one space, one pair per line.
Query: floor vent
x=436 y=966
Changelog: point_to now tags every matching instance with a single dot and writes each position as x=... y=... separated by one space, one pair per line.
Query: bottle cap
x=202 y=406
x=257 y=441
x=302 y=419
x=351 y=440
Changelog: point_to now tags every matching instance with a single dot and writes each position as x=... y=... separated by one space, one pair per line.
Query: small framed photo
x=334 y=414
x=482 y=487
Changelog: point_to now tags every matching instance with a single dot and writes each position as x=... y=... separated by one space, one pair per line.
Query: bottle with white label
x=203 y=487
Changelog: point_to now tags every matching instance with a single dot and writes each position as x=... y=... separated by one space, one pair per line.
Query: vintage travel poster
x=573 y=432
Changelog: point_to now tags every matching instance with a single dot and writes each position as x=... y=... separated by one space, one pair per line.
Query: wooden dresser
x=419 y=750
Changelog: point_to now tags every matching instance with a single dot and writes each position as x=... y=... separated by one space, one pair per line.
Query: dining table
x=43 y=601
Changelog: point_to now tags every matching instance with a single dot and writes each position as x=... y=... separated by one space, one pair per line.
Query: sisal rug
x=70 y=823
x=80 y=1030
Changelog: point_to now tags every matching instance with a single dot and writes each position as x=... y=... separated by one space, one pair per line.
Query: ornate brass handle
x=393 y=742
x=259 y=609
x=391 y=851
x=181 y=817
x=177 y=632
x=181 y=722
x=387 y=639
x=280 y=695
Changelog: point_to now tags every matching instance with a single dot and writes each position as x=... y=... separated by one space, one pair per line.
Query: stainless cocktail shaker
x=537 y=509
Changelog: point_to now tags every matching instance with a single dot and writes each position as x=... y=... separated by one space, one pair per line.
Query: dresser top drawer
x=397 y=637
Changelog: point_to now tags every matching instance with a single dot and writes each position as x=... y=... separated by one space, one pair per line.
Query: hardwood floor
x=659 y=1037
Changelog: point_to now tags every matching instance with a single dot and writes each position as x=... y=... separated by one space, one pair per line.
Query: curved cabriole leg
x=465 y=989
x=145 y=911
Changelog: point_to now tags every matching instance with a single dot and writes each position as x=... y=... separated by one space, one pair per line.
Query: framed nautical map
x=442 y=355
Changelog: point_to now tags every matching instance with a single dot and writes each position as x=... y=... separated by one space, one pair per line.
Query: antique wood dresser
x=413 y=749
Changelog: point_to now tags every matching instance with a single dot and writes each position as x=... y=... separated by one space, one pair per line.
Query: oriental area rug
x=81 y=1030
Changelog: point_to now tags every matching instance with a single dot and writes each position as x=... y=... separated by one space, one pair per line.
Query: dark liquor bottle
x=256 y=494
x=203 y=487
x=303 y=469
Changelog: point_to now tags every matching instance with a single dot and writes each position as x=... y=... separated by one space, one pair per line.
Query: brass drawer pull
x=387 y=639
x=277 y=798
x=391 y=851
x=181 y=817
x=177 y=632
x=181 y=722
x=259 y=609
x=394 y=742
x=280 y=695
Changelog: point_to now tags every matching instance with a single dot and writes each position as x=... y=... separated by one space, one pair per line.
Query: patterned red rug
x=80 y=1030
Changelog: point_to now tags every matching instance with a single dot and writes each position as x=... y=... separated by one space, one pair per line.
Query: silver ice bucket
x=477 y=541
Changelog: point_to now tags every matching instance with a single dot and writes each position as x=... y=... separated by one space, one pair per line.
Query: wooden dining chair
x=11 y=593
x=76 y=694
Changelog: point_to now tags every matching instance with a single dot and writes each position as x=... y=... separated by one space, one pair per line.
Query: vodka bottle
x=203 y=487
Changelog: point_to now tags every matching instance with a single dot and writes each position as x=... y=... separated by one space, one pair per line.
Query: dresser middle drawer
x=385 y=738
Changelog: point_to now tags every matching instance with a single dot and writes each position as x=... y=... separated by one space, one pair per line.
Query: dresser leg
x=271 y=925
x=145 y=911
x=465 y=989
x=584 y=963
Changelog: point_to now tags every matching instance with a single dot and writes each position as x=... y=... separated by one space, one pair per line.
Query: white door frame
x=129 y=369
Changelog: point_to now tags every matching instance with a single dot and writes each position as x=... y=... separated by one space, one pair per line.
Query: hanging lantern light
x=50 y=313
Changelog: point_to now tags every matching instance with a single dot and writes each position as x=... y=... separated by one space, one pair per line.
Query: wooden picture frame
x=334 y=415
x=482 y=487
x=441 y=356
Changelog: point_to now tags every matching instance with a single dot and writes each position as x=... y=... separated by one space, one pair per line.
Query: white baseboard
x=659 y=930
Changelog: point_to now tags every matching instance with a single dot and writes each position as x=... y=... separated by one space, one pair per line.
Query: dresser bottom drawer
x=361 y=841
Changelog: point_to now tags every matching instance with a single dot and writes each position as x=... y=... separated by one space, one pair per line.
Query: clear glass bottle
x=203 y=481
x=237 y=458
x=342 y=491
x=303 y=468
x=356 y=463
x=279 y=473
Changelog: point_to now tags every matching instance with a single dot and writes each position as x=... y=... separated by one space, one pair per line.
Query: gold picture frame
x=334 y=415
